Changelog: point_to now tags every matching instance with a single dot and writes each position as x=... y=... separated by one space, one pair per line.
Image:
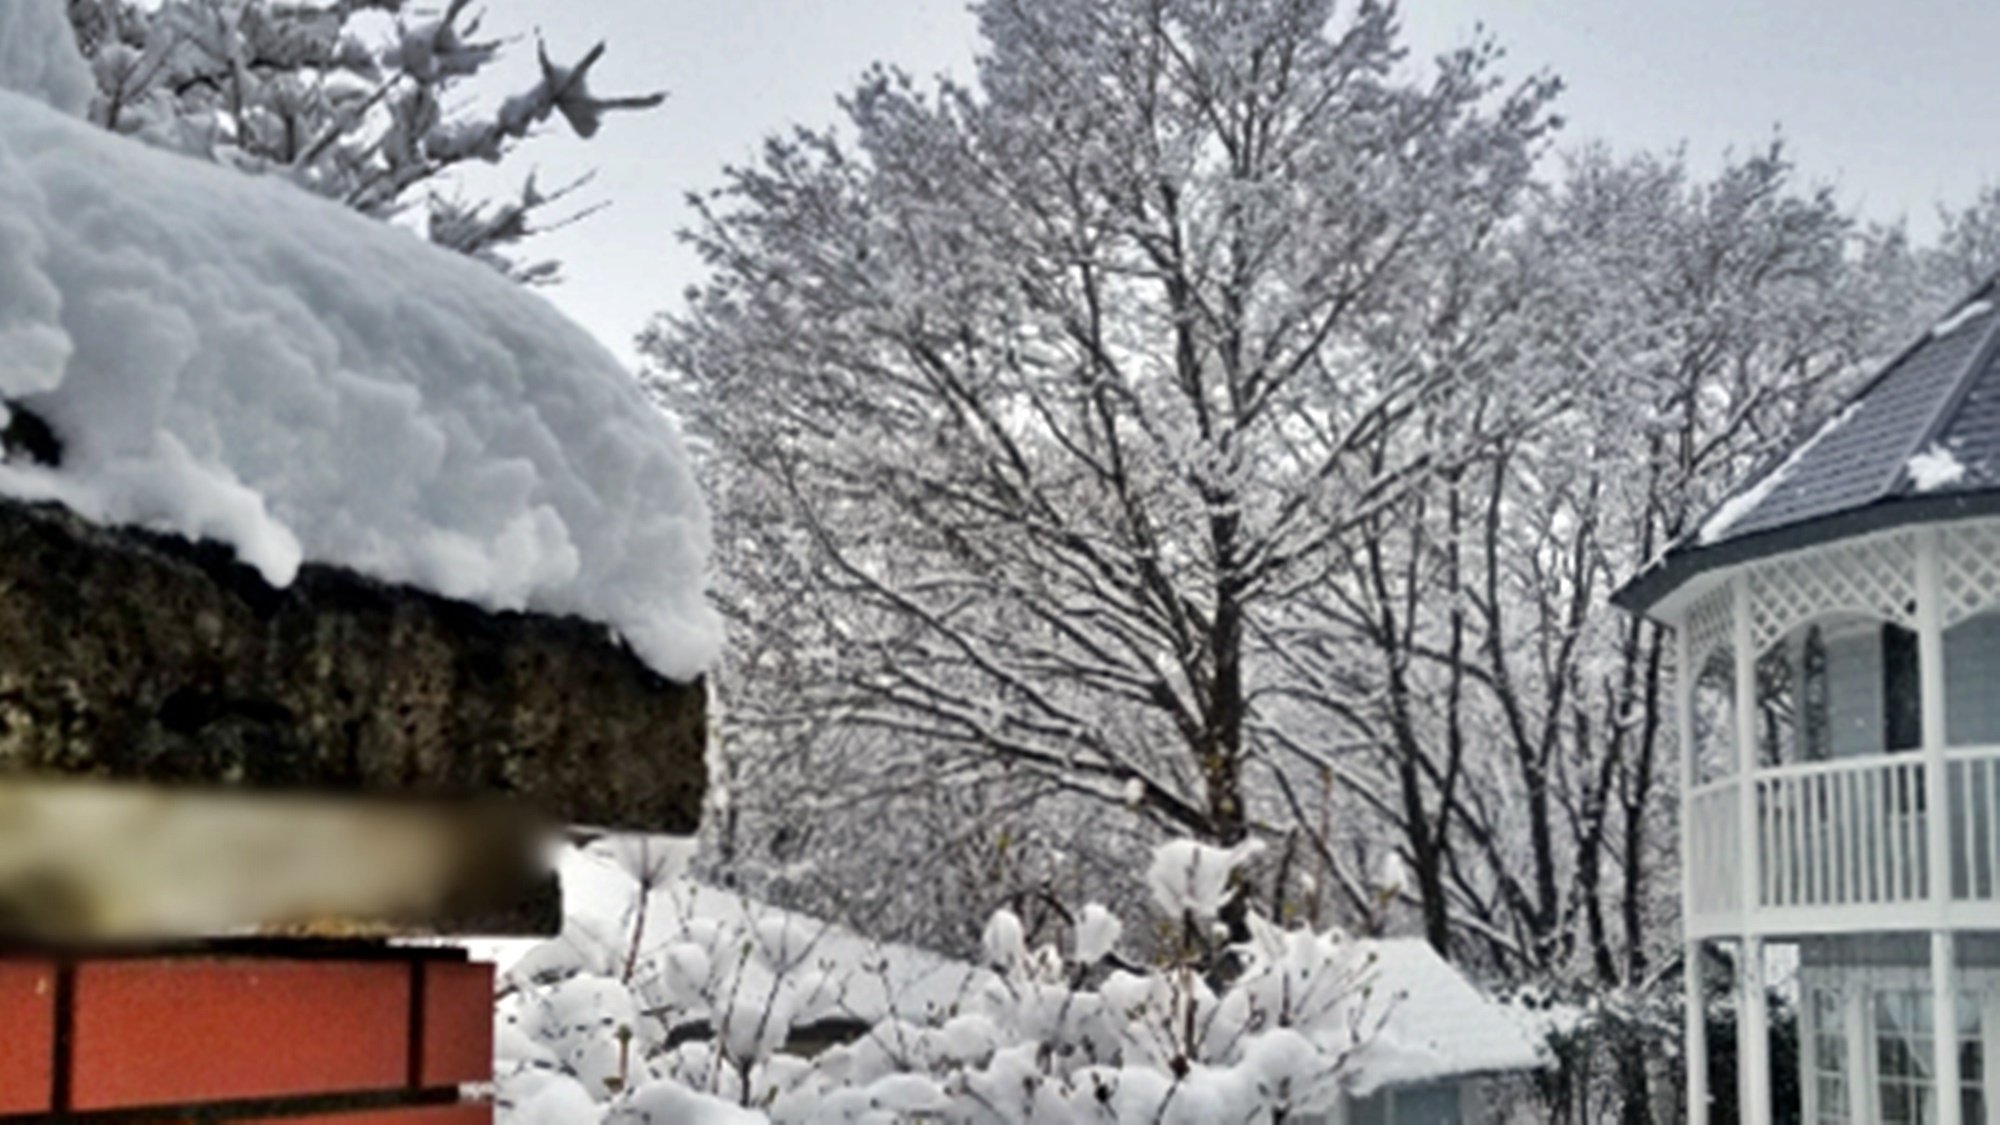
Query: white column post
x=1695 y=1017
x=1860 y=1061
x=1753 y=1040
x=1743 y=644
x=1753 y=1025
x=1944 y=1025
x=1937 y=822
x=1695 y=1037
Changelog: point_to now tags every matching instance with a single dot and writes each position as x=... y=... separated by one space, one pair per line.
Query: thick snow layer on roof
x=38 y=57
x=1447 y=1027
x=229 y=358
x=874 y=980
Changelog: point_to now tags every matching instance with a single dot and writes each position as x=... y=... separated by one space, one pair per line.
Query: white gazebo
x=1838 y=622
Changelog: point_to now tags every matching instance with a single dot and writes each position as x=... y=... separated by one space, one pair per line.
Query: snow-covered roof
x=1919 y=441
x=1459 y=1031
x=227 y=357
x=874 y=979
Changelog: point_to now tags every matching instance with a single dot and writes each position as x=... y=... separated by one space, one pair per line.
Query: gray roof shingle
x=1865 y=457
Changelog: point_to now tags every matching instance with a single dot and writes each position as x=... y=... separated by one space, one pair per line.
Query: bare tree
x=1065 y=379
x=1522 y=753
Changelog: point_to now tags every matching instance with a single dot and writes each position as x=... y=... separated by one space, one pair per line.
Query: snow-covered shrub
x=665 y=1001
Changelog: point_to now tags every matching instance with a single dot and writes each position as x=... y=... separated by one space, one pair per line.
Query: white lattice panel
x=1877 y=577
x=1708 y=626
x=1970 y=564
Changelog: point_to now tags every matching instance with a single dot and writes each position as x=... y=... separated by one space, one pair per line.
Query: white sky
x=1891 y=100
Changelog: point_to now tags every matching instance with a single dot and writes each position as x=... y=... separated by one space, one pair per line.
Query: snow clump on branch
x=1188 y=878
x=38 y=58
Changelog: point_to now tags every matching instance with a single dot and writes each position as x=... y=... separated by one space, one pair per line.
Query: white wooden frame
x=1785 y=851
x=1857 y=987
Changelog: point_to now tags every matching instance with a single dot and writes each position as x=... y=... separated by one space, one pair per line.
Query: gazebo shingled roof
x=1918 y=442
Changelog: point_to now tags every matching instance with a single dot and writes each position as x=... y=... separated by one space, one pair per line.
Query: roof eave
x=1653 y=585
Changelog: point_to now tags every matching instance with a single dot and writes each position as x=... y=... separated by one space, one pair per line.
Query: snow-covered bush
x=665 y=1001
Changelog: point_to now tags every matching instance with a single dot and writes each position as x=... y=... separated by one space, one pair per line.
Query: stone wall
x=136 y=656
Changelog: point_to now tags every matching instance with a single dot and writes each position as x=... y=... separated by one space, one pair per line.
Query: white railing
x=1714 y=850
x=1972 y=779
x=1842 y=833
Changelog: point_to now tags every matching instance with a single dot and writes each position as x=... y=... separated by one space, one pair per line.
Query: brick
x=465 y=1114
x=458 y=1023
x=27 y=1035
x=182 y=1030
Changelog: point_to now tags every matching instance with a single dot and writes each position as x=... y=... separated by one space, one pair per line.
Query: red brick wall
x=27 y=1035
x=383 y=1038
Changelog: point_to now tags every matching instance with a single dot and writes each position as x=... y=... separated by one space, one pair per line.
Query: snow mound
x=1934 y=468
x=1972 y=311
x=38 y=55
x=226 y=357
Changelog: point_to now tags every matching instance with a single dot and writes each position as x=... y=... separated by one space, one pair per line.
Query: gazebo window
x=1971 y=1062
x=1815 y=699
x=1903 y=1089
x=1777 y=708
x=1972 y=667
x=1829 y=1059
x=1714 y=720
x=1838 y=688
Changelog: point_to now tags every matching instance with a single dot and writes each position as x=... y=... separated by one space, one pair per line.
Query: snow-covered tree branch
x=356 y=100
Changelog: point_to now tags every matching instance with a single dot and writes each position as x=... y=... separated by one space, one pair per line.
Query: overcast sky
x=1893 y=101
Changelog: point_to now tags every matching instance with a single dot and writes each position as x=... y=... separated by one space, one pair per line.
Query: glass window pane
x=1815 y=699
x=1971 y=667
x=1829 y=1058
x=1777 y=708
x=1427 y=1105
x=1904 y=1093
x=1715 y=719
x=1971 y=1060
x=1902 y=698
